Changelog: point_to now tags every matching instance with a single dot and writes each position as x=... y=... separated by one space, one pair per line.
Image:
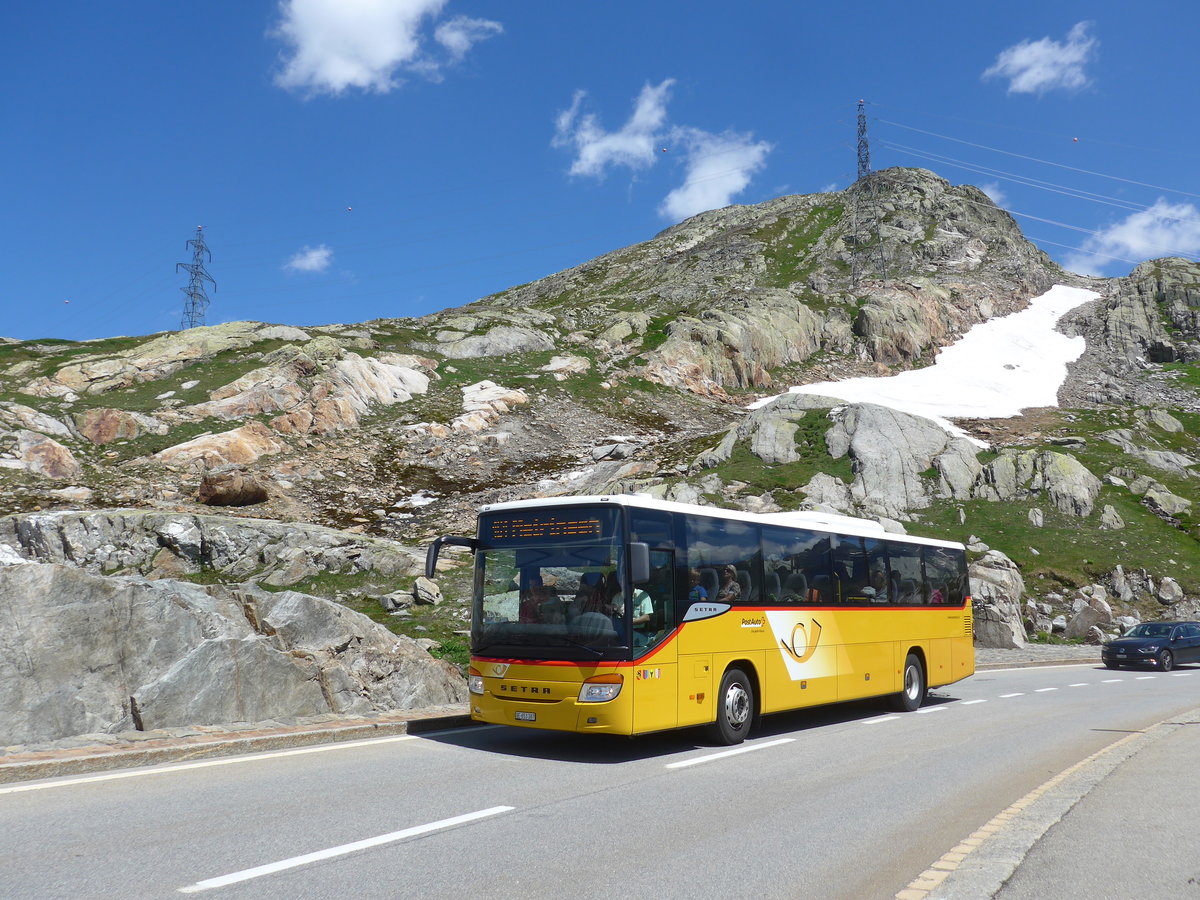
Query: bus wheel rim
x=737 y=705
x=911 y=682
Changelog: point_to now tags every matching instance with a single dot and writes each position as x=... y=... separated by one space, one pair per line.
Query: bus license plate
x=525 y=716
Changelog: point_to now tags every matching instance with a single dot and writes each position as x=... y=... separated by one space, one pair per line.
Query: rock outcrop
x=86 y=653
x=137 y=541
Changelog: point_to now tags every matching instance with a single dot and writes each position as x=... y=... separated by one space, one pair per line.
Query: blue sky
x=354 y=159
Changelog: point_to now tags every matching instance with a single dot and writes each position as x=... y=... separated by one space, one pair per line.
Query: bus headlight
x=601 y=688
x=474 y=682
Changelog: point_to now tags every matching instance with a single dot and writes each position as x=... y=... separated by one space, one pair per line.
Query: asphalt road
x=848 y=801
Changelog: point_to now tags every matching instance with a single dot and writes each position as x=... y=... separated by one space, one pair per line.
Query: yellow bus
x=625 y=615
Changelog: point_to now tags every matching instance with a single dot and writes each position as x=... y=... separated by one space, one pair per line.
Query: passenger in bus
x=730 y=590
x=878 y=591
x=696 y=591
x=536 y=593
x=643 y=615
x=593 y=594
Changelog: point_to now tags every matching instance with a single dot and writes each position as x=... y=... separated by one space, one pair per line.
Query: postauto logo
x=802 y=643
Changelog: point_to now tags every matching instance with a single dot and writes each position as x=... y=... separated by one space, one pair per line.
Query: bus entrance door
x=655 y=659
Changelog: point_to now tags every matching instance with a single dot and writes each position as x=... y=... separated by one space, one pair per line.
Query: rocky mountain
x=634 y=371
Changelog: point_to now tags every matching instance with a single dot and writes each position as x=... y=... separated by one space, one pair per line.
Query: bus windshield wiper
x=581 y=645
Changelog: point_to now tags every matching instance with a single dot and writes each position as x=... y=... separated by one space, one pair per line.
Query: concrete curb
x=152 y=751
x=1033 y=664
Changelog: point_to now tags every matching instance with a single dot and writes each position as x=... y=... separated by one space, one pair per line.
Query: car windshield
x=1149 y=629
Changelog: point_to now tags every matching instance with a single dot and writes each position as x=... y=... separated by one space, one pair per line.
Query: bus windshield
x=551 y=584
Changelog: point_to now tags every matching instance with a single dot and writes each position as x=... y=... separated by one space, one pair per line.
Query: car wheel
x=735 y=708
x=1166 y=660
x=913 y=694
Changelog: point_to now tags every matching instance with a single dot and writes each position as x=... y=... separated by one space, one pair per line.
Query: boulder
x=996 y=589
x=426 y=592
x=1165 y=504
x=1017 y=474
x=1091 y=615
x=45 y=456
x=502 y=340
x=103 y=425
x=18 y=416
x=1169 y=591
x=235 y=487
x=1110 y=519
x=562 y=367
x=241 y=445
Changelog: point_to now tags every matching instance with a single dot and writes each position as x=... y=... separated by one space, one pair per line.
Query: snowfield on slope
x=997 y=369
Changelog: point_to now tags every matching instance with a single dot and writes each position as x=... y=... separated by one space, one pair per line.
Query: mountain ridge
x=629 y=372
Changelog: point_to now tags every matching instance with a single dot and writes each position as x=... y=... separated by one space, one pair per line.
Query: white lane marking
x=1180 y=674
x=1079 y=684
x=202 y=764
x=969 y=702
x=1144 y=678
x=745 y=748
x=1112 y=680
x=879 y=719
x=1017 y=694
x=931 y=709
x=1043 y=690
x=269 y=869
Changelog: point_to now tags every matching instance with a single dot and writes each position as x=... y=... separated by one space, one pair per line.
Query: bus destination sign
x=540 y=526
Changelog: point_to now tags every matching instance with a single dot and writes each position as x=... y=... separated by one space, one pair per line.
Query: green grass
x=744 y=466
x=786 y=264
x=1071 y=552
x=1186 y=374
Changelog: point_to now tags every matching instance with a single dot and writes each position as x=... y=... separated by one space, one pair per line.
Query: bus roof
x=816 y=521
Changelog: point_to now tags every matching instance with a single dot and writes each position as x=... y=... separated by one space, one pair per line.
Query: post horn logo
x=802 y=646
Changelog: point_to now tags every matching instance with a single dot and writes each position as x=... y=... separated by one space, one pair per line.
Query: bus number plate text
x=522 y=716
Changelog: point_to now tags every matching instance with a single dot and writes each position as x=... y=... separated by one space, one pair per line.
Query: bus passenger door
x=655 y=673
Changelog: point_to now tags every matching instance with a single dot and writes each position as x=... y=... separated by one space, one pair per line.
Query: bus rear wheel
x=735 y=708
x=913 y=694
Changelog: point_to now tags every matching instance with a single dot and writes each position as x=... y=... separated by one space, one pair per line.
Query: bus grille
x=968 y=622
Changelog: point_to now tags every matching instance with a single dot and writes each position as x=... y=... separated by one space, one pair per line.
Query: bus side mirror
x=431 y=555
x=639 y=563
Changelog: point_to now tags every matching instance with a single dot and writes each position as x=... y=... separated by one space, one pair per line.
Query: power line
x=1046 y=162
x=1050 y=186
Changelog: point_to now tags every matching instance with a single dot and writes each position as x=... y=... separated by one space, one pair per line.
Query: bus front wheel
x=735 y=708
x=914 y=686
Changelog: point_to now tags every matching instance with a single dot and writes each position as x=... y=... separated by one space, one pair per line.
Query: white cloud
x=995 y=194
x=633 y=146
x=461 y=33
x=311 y=259
x=1034 y=67
x=334 y=45
x=1165 y=229
x=719 y=167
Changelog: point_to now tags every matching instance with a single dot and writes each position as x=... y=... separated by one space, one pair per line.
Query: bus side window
x=850 y=570
x=904 y=573
x=943 y=576
x=773 y=590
